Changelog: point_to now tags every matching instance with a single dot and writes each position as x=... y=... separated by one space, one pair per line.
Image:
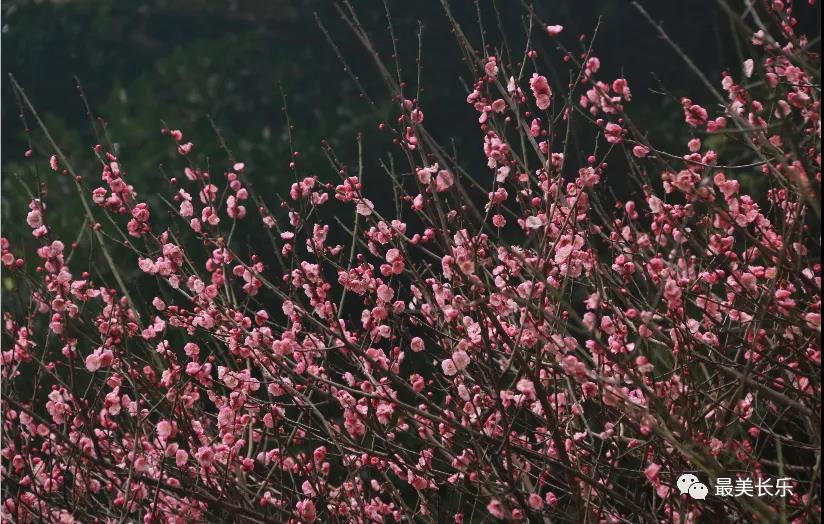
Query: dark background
x=185 y=61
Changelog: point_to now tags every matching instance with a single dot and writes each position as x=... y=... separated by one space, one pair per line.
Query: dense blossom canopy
x=515 y=344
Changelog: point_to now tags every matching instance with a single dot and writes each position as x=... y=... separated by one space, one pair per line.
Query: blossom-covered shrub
x=515 y=344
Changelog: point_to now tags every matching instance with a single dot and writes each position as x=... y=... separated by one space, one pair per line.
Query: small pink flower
x=651 y=472
x=621 y=87
x=640 y=151
x=749 y=67
x=444 y=180
x=393 y=255
x=306 y=510
x=534 y=222
x=592 y=66
x=554 y=30
x=205 y=456
x=164 y=429
x=491 y=66
x=34 y=219
x=181 y=458
x=448 y=367
x=614 y=133
x=461 y=360
x=365 y=207
x=541 y=91
x=99 y=196
x=92 y=363
x=141 y=212
x=495 y=508
x=186 y=209
x=694 y=114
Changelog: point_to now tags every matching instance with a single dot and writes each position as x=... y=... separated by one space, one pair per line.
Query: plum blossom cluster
x=517 y=345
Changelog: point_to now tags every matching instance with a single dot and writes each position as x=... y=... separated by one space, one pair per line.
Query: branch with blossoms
x=514 y=345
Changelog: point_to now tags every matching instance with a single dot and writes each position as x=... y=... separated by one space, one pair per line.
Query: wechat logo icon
x=689 y=483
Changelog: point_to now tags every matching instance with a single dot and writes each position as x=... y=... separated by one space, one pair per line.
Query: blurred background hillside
x=186 y=61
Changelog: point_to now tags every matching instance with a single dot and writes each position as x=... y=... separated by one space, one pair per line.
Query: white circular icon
x=685 y=481
x=698 y=491
x=689 y=483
